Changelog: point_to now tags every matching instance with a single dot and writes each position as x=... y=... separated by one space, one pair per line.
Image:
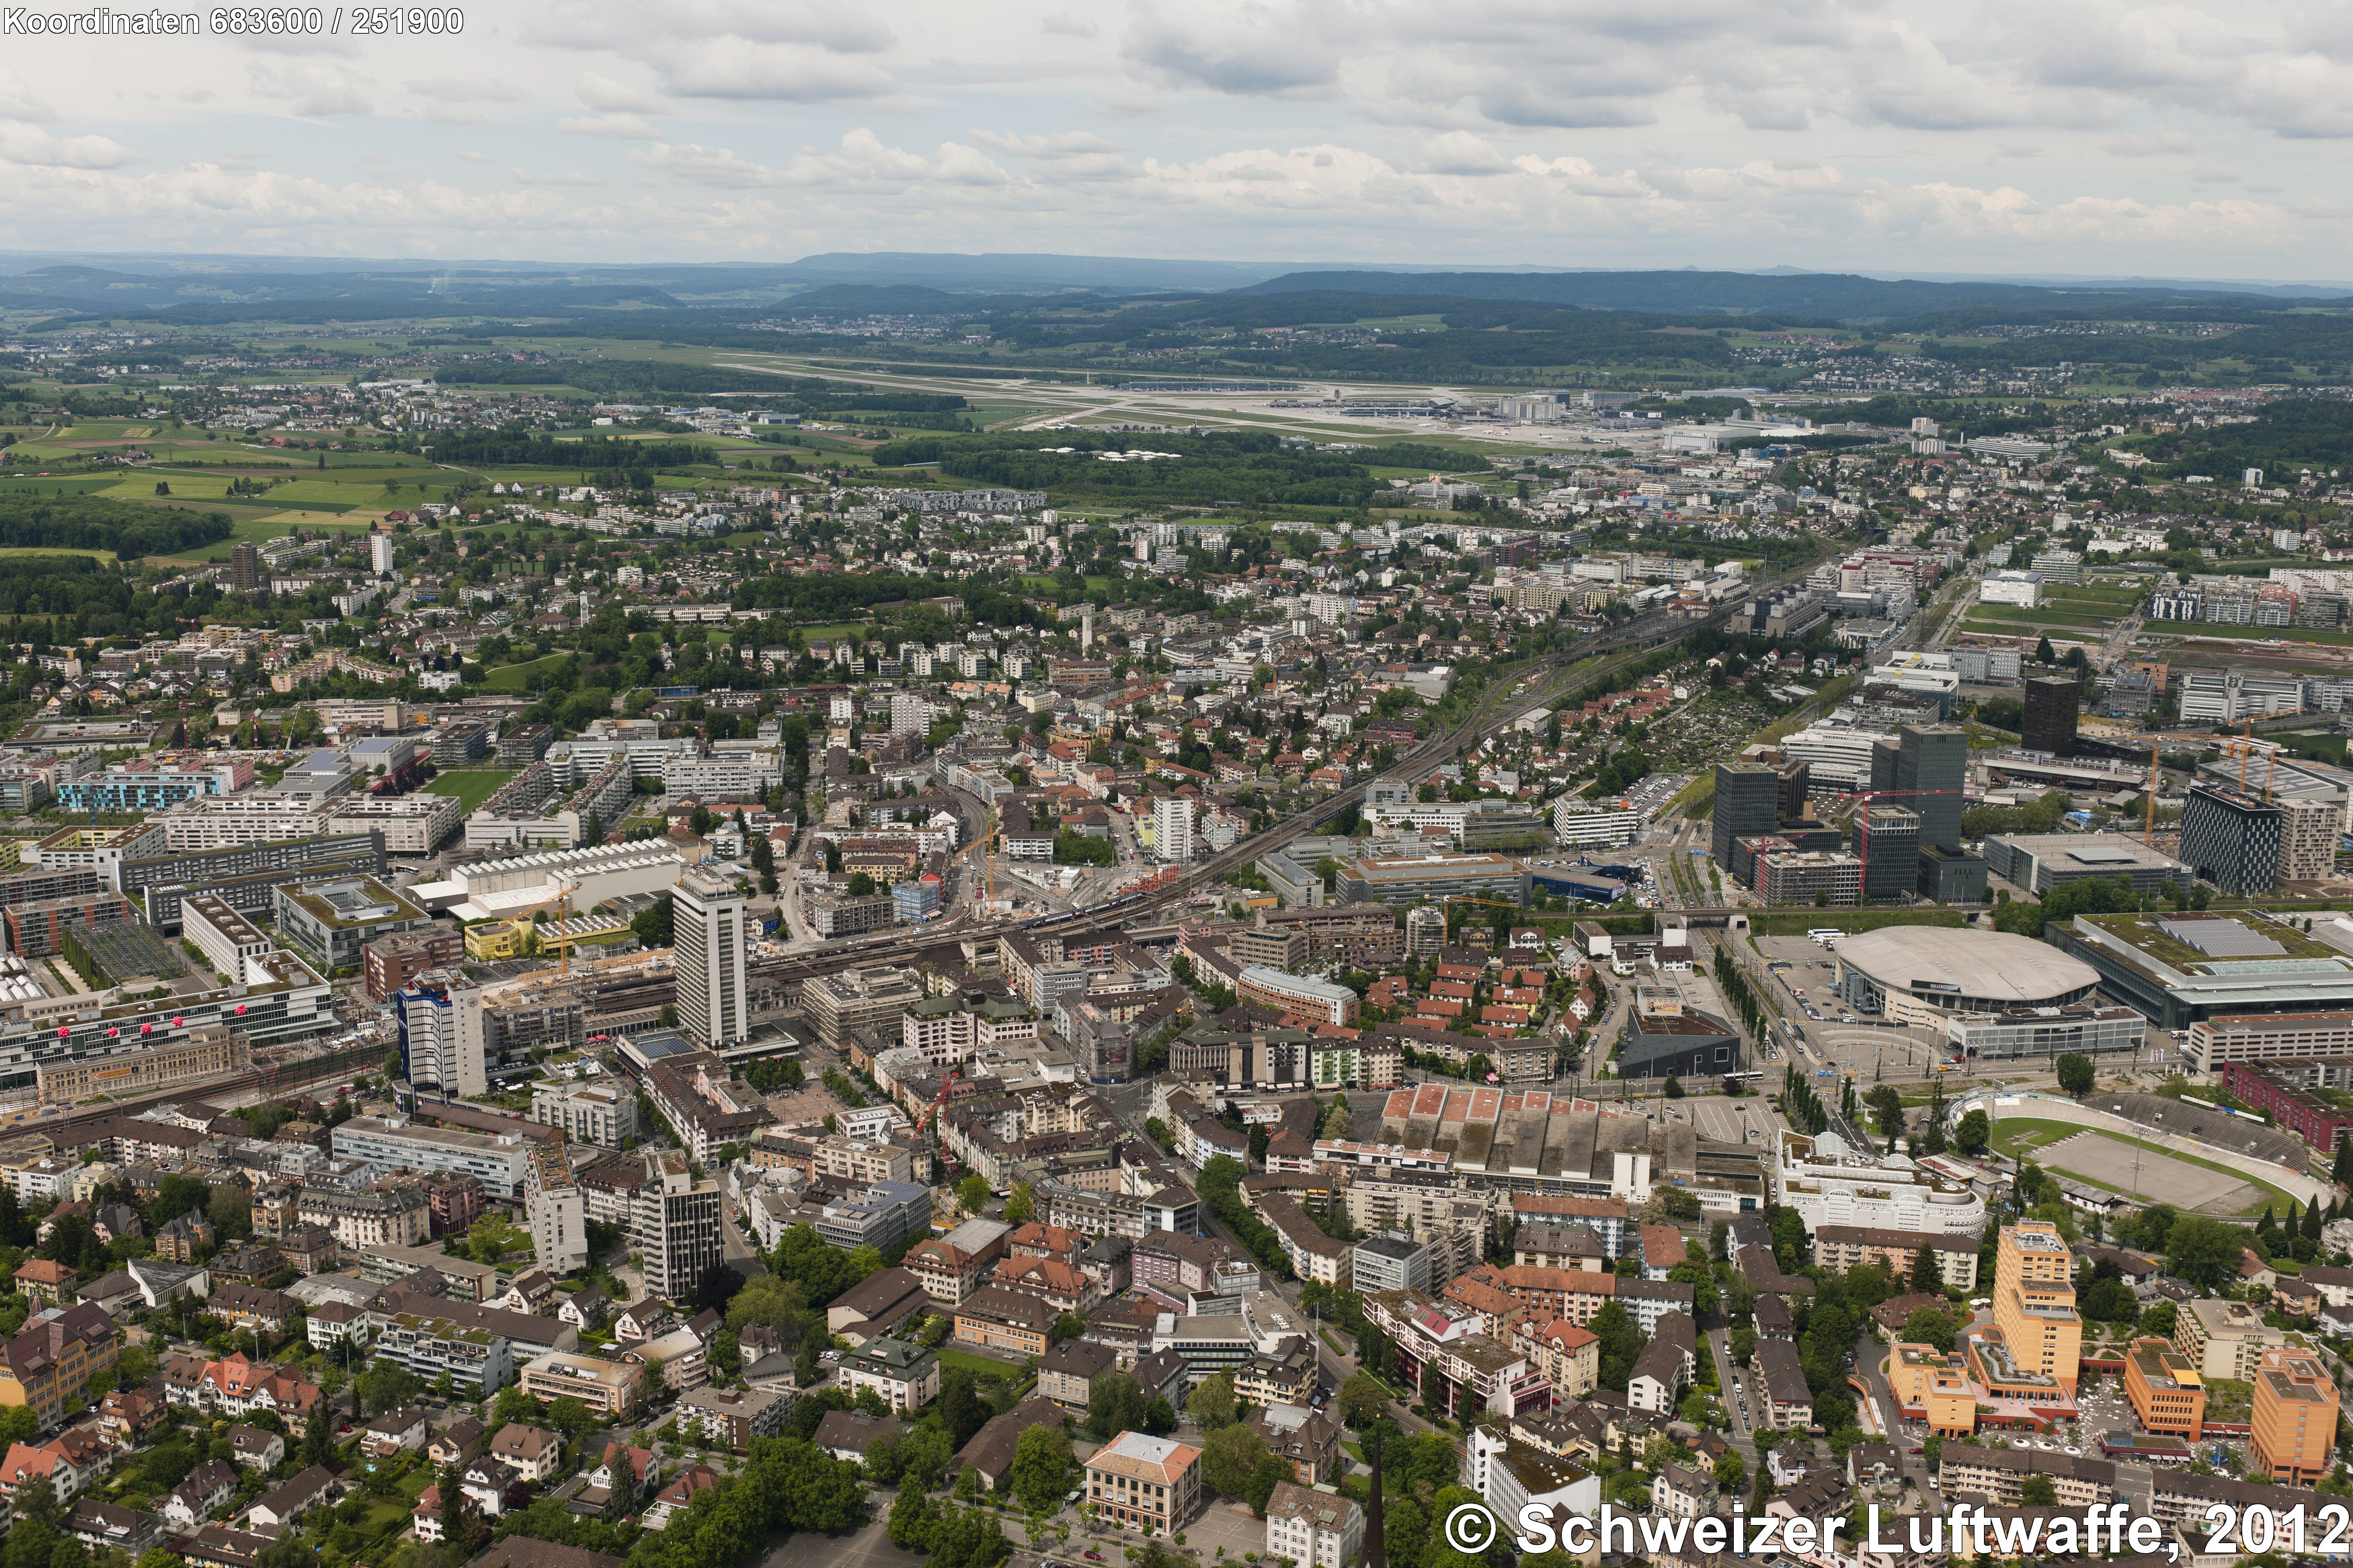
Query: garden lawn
x=980 y=1365
x=471 y=786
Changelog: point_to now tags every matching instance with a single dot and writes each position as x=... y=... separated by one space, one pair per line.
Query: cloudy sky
x=2087 y=136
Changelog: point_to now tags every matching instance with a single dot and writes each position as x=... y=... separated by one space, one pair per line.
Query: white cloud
x=18 y=102
x=610 y=97
x=1239 y=46
x=310 y=90
x=2097 y=136
x=1062 y=145
x=1461 y=153
x=770 y=73
x=703 y=165
x=36 y=148
x=631 y=126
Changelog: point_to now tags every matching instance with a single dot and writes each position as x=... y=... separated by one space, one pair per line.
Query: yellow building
x=2294 y=1417
x=1930 y=1384
x=2034 y=1301
x=48 y=1366
x=495 y=940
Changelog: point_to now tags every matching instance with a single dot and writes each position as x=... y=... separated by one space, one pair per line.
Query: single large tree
x=1041 y=1467
x=2074 y=1070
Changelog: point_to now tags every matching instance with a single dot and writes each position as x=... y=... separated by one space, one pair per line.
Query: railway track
x=1494 y=715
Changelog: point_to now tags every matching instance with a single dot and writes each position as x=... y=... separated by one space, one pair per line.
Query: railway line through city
x=1531 y=686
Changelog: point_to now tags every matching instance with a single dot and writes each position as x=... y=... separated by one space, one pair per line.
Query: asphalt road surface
x=867 y=1548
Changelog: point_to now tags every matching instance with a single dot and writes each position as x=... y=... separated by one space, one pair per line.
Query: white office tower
x=909 y=714
x=442 y=1048
x=713 y=1005
x=557 y=1210
x=380 y=555
x=1172 y=828
x=1086 y=629
x=675 y=1227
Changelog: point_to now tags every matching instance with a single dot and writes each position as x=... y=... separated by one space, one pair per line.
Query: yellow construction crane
x=565 y=888
x=2242 y=743
x=980 y=845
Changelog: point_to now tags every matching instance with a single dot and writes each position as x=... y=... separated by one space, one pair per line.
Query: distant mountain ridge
x=191 y=289
x=1846 y=297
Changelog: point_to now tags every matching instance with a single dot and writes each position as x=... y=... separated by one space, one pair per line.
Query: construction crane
x=565 y=888
x=980 y=845
x=2244 y=744
x=924 y=1123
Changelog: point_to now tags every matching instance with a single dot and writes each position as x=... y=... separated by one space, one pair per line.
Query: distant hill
x=1835 y=295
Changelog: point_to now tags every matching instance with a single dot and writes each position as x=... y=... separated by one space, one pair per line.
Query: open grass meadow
x=471 y=785
x=517 y=676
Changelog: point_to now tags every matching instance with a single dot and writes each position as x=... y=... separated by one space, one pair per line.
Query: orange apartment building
x=1931 y=1386
x=2166 y=1392
x=2294 y=1417
x=2034 y=1302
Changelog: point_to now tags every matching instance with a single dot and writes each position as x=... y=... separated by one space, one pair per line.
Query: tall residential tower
x=713 y=1000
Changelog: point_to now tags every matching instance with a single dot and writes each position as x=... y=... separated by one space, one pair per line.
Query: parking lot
x=1729 y=1120
x=1836 y=1035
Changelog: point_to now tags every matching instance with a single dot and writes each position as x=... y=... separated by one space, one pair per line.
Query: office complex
x=1747 y=805
x=246 y=876
x=2188 y=969
x=494 y=1159
x=442 y=1048
x=1788 y=876
x=1435 y=877
x=1887 y=840
x=225 y=938
x=2038 y=862
x=2052 y=704
x=1931 y=765
x=601 y=1110
x=2231 y=839
x=841 y=1003
x=714 y=1008
x=1298 y=996
x=882 y=1215
x=674 y=1225
x=328 y=922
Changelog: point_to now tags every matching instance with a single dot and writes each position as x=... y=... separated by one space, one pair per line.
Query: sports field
x=2106 y=1159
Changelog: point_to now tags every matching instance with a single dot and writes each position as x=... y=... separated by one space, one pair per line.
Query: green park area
x=471 y=786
